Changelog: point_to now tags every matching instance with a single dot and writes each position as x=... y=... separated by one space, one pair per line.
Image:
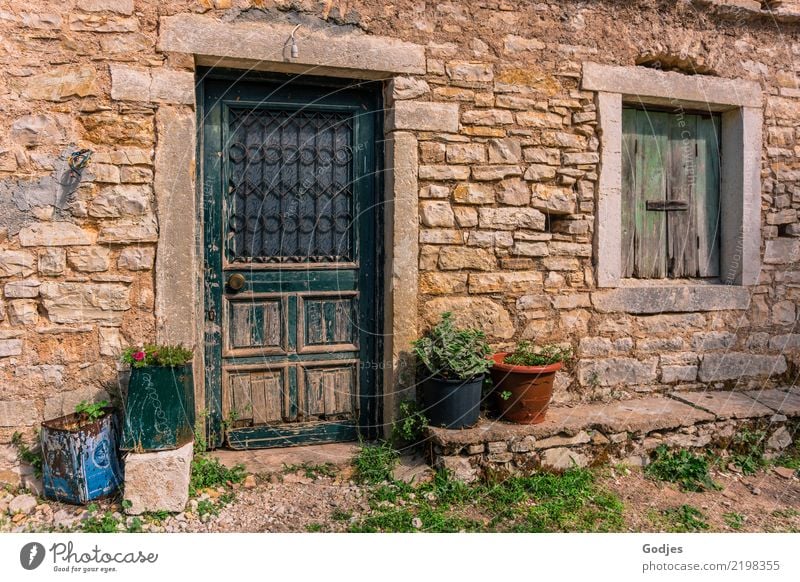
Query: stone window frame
x=739 y=103
x=250 y=46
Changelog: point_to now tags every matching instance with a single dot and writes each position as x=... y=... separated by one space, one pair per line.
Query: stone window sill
x=671 y=298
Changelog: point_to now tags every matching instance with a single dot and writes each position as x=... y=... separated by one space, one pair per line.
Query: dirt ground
x=299 y=501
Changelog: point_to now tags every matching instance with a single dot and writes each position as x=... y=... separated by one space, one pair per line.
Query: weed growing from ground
x=311 y=470
x=685 y=518
x=26 y=454
x=409 y=426
x=733 y=520
x=209 y=472
x=375 y=463
x=688 y=470
x=747 y=450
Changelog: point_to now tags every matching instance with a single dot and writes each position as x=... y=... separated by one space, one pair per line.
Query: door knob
x=235 y=282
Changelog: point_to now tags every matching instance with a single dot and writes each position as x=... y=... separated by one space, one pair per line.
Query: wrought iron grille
x=290 y=197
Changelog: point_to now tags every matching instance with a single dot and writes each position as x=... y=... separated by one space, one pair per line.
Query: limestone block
x=473 y=194
x=660 y=344
x=552 y=199
x=571 y=249
x=540 y=173
x=118 y=6
x=571 y=301
x=408 y=87
x=103 y=23
x=511 y=282
x=158 y=481
x=22 y=289
x=782 y=251
x=785 y=342
x=89 y=259
x=23 y=312
x=457 y=258
x=713 y=340
x=423 y=116
x=129 y=83
x=490 y=117
x=136 y=258
x=479 y=312
x=531 y=249
x=124 y=232
x=563 y=459
x=435 y=191
x=54 y=234
x=513 y=192
x=52 y=261
x=783 y=313
x=16 y=413
x=580 y=159
x=59 y=83
x=110 y=341
x=504 y=151
x=470 y=72
x=120 y=201
x=443 y=172
x=460 y=468
x=615 y=371
x=672 y=374
x=10 y=347
x=550 y=156
x=16 y=263
x=581 y=438
x=539 y=119
x=511 y=218
x=170 y=86
x=442 y=283
x=85 y=302
x=735 y=365
x=486 y=173
x=489 y=238
x=30 y=130
x=441 y=236
x=436 y=213
x=466 y=153
x=688 y=298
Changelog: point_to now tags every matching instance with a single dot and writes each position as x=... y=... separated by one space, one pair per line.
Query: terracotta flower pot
x=530 y=388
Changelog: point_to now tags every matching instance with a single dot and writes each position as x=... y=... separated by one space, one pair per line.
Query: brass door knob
x=235 y=282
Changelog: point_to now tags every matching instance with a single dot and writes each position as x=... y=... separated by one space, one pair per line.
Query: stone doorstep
x=786 y=403
x=273 y=460
x=725 y=404
x=633 y=416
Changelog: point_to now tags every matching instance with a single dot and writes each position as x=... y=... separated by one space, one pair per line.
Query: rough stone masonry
x=508 y=159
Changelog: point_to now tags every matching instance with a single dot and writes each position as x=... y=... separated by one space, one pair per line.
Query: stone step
x=724 y=404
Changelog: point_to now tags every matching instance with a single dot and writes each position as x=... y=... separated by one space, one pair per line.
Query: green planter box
x=159 y=409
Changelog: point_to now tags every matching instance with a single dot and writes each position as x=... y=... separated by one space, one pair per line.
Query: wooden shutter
x=670 y=195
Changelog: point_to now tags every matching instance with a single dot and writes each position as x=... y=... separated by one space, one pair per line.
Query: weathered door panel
x=292 y=219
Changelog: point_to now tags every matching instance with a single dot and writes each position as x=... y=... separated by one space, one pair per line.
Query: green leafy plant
x=410 y=424
x=375 y=463
x=453 y=353
x=688 y=470
x=209 y=472
x=733 y=519
x=747 y=450
x=526 y=354
x=31 y=456
x=91 y=411
x=505 y=395
x=686 y=518
x=157 y=355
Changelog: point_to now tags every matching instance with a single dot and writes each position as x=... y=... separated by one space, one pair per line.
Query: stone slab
x=158 y=481
x=263 y=45
x=724 y=405
x=274 y=460
x=676 y=299
x=670 y=86
x=787 y=403
x=636 y=416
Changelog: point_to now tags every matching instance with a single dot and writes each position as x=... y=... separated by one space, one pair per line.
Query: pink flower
x=138 y=356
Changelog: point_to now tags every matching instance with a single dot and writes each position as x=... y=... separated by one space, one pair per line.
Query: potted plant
x=80 y=457
x=159 y=401
x=454 y=362
x=523 y=381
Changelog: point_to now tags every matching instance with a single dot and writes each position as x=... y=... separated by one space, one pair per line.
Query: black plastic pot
x=452 y=403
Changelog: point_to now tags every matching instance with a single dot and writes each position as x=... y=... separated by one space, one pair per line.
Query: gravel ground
x=296 y=502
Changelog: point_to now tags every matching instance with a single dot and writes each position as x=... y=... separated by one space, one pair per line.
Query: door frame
x=371 y=403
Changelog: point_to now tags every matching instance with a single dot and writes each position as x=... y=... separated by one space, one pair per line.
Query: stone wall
x=508 y=158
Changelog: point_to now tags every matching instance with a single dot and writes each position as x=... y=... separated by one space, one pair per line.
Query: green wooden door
x=292 y=245
x=670 y=194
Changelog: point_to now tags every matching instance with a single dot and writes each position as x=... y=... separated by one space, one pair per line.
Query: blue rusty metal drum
x=81 y=460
